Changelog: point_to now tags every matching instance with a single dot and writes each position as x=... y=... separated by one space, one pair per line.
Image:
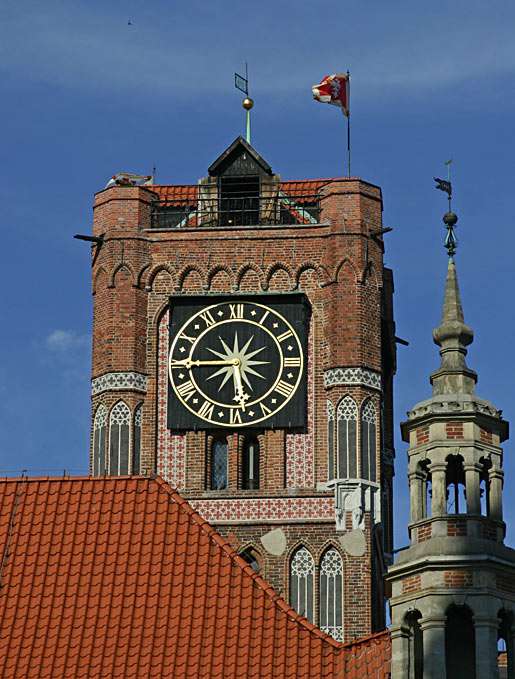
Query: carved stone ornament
x=355 y=497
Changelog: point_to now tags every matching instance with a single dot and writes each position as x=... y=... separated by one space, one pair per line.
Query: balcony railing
x=198 y=210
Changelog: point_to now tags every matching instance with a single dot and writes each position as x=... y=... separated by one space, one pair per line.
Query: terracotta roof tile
x=119 y=577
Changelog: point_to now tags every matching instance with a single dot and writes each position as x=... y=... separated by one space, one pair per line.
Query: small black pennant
x=443 y=185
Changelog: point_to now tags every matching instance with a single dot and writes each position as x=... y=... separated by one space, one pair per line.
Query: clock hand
x=188 y=362
x=240 y=394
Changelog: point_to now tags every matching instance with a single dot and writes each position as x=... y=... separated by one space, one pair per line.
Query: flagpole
x=348 y=123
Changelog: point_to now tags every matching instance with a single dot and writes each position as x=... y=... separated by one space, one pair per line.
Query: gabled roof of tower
x=120 y=577
x=238 y=148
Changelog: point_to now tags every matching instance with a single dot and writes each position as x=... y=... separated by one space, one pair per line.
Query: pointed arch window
x=252 y=557
x=250 y=463
x=302 y=568
x=119 y=439
x=347 y=420
x=136 y=446
x=219 y=462
x=368 y=441
x=99 y=441
x=331 y=594
x=330 y=441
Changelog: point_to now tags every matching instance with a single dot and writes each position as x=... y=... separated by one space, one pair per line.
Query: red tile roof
x=119 y=577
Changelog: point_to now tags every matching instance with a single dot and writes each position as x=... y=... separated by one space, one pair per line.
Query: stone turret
x=453 y=588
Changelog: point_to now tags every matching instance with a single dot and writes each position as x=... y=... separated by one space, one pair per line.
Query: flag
x=334 y=89
x=443 y=185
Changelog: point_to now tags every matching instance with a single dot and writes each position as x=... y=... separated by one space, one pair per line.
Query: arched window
x=99 y=441
x=250 y=463
x=302 y=568
x=136 y=446
x=455 y=483
x=460 y=643
x=505 y=642
x=330 y=441
x=119 y=439
x=484 y=486
x=368 y=441
x=252 y=557
x=347 y=419
x=219 y=461
x=331 y=594
x=415 y=660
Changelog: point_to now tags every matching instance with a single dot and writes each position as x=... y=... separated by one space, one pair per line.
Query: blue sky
x=86 y=95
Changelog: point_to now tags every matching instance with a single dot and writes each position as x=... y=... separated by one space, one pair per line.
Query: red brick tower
x=304 y=492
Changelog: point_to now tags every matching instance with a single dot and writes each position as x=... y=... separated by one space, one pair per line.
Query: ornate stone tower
x=453 y=588
x=282 y=440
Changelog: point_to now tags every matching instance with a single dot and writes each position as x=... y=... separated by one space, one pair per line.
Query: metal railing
x=277 y=208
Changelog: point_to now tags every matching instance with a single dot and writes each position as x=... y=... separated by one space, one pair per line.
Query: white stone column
x=439 y=489
x=495 y=477
x=433 y=636
x=416 y=485
x=400 y=651
x=472 y=485
x=486 y=630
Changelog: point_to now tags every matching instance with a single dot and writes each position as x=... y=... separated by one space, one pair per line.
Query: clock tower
x=244 y=350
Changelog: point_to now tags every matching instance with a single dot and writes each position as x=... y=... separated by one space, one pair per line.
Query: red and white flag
x=334 y=89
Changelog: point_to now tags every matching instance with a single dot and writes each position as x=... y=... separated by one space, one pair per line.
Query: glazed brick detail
x=411 y=584
x=456 y=579
x=456 y=527
x=424 y=532
x=422 y=434
x=454 y=430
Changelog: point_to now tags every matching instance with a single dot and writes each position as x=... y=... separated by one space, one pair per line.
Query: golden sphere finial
x=247 y=103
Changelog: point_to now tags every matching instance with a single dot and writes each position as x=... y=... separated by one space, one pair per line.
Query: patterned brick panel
x=424 y=532
x=412 y=584
x=300 y=459
x=422 y=434
x=505 y=583
x=485 y=436
x=457 y=528
x=266 y=509
x=454 y=430
x=457 y=579
x=171 y=448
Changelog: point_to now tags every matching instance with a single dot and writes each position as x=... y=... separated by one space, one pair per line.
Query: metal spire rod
x=242 y=83
x=450 y=218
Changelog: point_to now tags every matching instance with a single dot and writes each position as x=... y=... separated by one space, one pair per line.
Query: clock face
x=235 y=363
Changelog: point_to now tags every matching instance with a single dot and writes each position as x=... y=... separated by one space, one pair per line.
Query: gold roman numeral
x=236 y=310
x=264 y=409
x=285 y=335
x=207 y=318
x=206 y=410
x=186 y=390
x=187 y=337
x=234 y=416
x=292 y=362
x=284 y=388
x=263 y=317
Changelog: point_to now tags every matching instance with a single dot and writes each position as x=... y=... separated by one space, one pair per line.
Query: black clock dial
x=235 y=364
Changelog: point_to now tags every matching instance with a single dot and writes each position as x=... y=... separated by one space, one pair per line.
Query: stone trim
x=117 y=381
x=350 y=377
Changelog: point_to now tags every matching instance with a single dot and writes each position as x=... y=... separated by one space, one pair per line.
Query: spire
x=453 y=336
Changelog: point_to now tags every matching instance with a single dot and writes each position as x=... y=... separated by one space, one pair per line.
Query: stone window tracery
x=119 y=439
x=347 y=420
x=302 y=568
x=330 y=441
x=136 y=449
x=99 y=441
x=331 y=594
x=368 y=441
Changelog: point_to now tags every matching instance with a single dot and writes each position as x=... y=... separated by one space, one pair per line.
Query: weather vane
x=242 y=83
x=450 y=218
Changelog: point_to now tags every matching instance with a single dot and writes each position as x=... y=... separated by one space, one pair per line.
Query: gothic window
x=250 y=463
x=455 y=483
x=347 y=419
x=302 y=568
x=252 y=558
x=330 y=441
x=219 y=461
x=119 y=439
x=368 y=441
x=99 y=441
x=331 y=594
x=136 y=446
x=484 y=486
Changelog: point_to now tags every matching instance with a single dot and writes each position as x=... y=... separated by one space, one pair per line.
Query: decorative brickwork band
x=266 y=509
x=119 y=381
x=350 y=377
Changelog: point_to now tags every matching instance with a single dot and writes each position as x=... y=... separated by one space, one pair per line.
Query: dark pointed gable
x=239 y=159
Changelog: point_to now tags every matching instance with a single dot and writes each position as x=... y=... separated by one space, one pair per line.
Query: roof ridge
x=369 y=637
